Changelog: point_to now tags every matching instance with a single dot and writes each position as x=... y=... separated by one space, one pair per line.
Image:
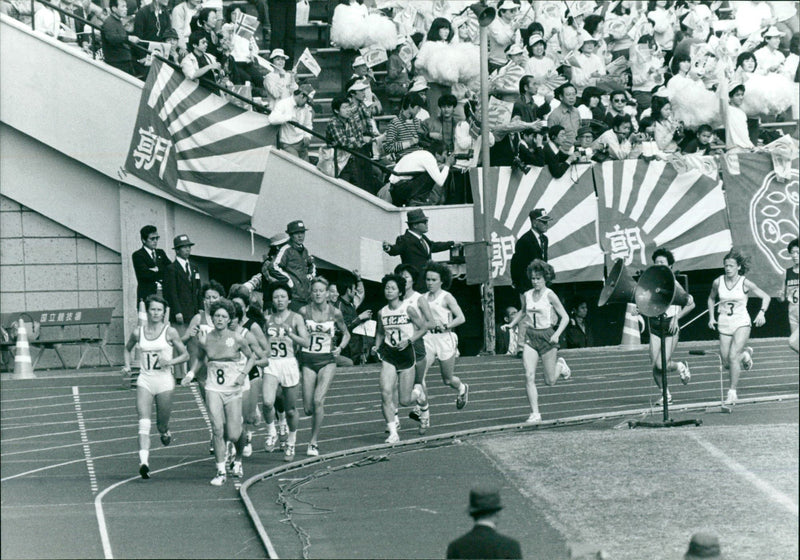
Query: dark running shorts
x=539 y=339
x=657 y=323
x=400 y=359
x=316 y=361
x=254 y=373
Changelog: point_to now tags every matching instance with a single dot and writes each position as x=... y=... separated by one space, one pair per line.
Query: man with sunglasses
x=295 y=108
x=149 y=264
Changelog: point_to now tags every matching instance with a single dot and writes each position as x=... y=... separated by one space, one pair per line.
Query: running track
x=70 y=486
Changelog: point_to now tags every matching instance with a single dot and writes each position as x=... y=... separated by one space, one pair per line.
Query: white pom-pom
x=692 y=103
x=348 y=27
x=381 y=32
x=767 y=95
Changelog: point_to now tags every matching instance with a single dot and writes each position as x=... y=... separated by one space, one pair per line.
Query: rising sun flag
x=199 y=147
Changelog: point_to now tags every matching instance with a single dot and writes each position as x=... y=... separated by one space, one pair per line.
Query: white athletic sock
x=292 y=437
x=144 y=456
x=221 y=467
x=418 y=394
x=282 y=417
x=462 y=389
x=271 y=429
x=392 y=428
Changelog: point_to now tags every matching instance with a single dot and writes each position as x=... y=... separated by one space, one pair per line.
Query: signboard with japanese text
x=199 y=147
x=570 y=202
x=643 y=206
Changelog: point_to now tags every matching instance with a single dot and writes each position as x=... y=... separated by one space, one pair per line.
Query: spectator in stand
x=441 y=31
x=539 y=66
x=557 y=153
x=91 y=12
x=149 y=264
x=283 y=19
x=417 y=179
x=152 y=21
x=182 y=285
x=590 y=108
x=47 y=20
x=342 y=132
x=366 y=175
x=589 y=67
x=531 y=246
x=114 y=37
x=176 y=53
x=619 y=107
x=665 y=130
x=571 y=36
x=182 y=15
x=701 y=144
x=503 y=31
x=529 y=147
x=566 y=115
x=363 y=72
x=206 y=23
x=414 y=248
x=443 y=126
x=662 y=16
x=397 y=80
x=279 y=83
x=504 y=82
x=295 y=108
x=737 y=136
x=583 y=144
x=420 y=87
x=233 y=73
x=294 y=265
x=405 y=130
x=578 y=333
x=198 y=63
x=647 y=71
x=243 y=50
x=525 y=107
x=768 y=57
x=617 y=142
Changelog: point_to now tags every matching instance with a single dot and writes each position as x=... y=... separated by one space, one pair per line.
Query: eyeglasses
x=154 y=238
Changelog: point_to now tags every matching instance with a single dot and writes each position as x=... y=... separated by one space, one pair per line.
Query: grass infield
x=643 y=493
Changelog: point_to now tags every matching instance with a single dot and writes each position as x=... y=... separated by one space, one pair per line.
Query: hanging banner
x=763 y=215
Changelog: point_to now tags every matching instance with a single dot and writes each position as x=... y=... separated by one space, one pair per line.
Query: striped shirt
x=402 y=130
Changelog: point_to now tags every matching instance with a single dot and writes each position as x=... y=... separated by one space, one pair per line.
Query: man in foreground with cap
x=294 y=265
x=296 y=108
x=532 y=245
x=414 y=248
x=182 y=284
x=483 y=541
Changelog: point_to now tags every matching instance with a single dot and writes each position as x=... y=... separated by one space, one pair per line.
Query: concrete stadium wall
x=44 y=265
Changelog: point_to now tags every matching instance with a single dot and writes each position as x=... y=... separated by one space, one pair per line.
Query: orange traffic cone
x=631 y=336
x=23 y=368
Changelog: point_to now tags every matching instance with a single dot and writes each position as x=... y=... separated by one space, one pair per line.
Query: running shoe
x=747 y=358
x=313 y=450
x=534 y=418
x=394 y=437
x=219 y=480
x=237 y=469
x=269 y=443
x=463 y=398
x=288 y=453
x=424 y=421
x=683 y=370
x=166 y=438
x=415 y=414
x=144 y=470
x=565 y=371
x=248 y=445
x=732 y=397
x=660 y=401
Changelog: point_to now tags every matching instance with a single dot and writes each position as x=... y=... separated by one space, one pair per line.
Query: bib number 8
x=220 y=377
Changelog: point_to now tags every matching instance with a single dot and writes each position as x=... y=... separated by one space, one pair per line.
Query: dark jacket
x=574 y=337
x=412 y=251
x=182 y=295
x=526 y=250
x=148 y=26
x=556 y=161
x=295 y=267
x=145 y=278
x=484 y=542
x=114 y=39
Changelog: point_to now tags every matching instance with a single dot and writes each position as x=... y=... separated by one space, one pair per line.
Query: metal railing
x=210 y=84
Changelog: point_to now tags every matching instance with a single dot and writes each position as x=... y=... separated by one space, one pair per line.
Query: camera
x=466 y=156
x=584 y=154
x=520 y=166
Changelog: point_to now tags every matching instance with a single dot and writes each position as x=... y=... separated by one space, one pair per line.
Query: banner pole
x=487 y=290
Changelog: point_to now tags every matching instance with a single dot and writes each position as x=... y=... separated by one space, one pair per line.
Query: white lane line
x=742 y=472
x=98 y=504
x=87 y=451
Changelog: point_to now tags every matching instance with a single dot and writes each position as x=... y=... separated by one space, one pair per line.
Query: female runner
x=158 y=343
x=221 y=349
x=541 y=339
x=733 y=323
x=260 y=345
x=441 y=343
x=399 y=326
x=285 y=329
x=319 y=359
x=669 y=322
x=421 y=413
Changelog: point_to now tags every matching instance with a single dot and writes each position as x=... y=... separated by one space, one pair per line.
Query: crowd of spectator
x=571 y=82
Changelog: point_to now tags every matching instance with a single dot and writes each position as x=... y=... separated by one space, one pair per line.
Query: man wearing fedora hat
x=294 y=265
x=532 y=245
x=414 y=247
x=182 y=284
x=483 y=541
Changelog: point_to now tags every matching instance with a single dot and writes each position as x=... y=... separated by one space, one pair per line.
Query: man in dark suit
x=532 y=245
x=484 y=541
x=149 y=264
x=182 y=285
x=414 y=247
